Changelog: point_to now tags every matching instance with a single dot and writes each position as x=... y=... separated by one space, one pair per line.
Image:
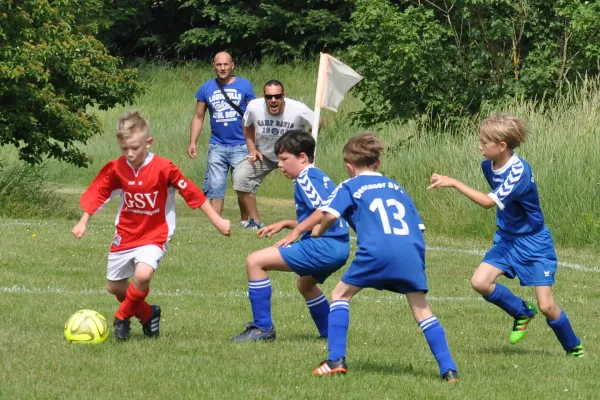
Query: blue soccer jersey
x=515 y=192
x=391 y=247
x=312 y=188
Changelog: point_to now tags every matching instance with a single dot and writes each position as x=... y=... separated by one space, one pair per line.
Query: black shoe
x=329 y=367
x=152 y=327
x=122 y=328
x=253 y=333
x=450 y=376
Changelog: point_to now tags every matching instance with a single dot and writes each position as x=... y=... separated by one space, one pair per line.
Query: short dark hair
x=296 y=141
x=274 y=82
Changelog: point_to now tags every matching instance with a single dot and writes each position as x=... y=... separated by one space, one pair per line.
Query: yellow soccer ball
x=86 y=326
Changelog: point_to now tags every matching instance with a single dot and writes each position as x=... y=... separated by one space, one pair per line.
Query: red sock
x=144 y=312
x=132 y=302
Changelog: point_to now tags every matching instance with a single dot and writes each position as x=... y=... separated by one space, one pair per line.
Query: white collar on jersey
x=309 y=166
x=149 y=158
x=370 y=173
x=511 y=161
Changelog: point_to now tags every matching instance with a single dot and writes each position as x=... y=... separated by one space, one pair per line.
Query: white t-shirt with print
x=269 y=128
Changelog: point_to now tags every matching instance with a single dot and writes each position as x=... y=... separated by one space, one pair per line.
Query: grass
x=46 y=275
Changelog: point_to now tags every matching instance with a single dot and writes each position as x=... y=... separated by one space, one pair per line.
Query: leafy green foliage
x=52 y=69
x=447 y=59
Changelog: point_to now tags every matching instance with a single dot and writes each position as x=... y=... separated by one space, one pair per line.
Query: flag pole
x=321 y=79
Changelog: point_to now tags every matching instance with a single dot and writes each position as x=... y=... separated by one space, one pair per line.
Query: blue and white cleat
x=253 y=333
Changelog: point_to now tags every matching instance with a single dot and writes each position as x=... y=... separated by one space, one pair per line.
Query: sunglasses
x=273 y=96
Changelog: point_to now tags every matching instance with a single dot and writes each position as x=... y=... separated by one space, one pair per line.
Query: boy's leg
x=484 y=282
x=259 y=293
x=316 y=301
x=339 y=321
x=434 y=334
x=133 y=304
x=559 y=322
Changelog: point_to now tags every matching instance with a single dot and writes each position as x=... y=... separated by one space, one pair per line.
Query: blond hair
x=130 y=123
x=363 y=150
x=504 y=128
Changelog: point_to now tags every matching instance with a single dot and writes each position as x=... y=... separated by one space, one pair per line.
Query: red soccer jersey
x=146 y=212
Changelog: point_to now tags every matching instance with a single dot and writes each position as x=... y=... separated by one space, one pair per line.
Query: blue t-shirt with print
x=225 y=122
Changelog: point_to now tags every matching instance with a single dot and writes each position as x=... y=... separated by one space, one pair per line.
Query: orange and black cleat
x=329 y=367
x=450 y=376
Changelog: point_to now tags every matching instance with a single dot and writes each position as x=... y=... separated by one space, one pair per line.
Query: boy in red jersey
x=145 y=220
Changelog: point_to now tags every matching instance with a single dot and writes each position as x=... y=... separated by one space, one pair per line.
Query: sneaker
x=450 y=376
x=576 y=352
x=152 y=327
x=122 y=328
x=244 y=224
x=329 y=367
x=252 y=224
x=521 y=324
x=254 y=333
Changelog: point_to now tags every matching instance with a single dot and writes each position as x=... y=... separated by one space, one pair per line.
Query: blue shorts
x=220 y=160
x=399 y=274
x=317 y=257
x=532 y=258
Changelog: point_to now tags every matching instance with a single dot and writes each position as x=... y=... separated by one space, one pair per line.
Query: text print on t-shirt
x=271 y=127
x=222 y=111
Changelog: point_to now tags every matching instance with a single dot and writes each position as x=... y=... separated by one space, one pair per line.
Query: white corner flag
x=334 y=80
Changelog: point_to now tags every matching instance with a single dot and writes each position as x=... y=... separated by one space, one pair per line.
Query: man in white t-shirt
x=265 y=121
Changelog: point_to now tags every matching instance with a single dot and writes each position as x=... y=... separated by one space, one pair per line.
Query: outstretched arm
x=222 y=225
x=438 y=181
x=305 y=226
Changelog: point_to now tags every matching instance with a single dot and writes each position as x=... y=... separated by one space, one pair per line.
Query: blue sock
x=506 y=300
x=564 y=332
x=436 y=338
x=319 y=311
x=259 y=293
x=339 y=319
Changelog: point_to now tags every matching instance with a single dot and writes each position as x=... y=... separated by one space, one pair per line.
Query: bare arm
x=250 y=136
x=438 y=181
x=272 y=229
x=196 y=128
x=307 y=225
x=327 y=222
x=79 y=229
x=222 y=225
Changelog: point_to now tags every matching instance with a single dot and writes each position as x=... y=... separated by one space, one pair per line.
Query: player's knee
x=253 y=262
x=481 y=286
x=548 y=308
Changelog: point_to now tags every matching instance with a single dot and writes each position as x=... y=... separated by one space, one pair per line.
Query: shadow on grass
x=520 y=351
x=392 y=369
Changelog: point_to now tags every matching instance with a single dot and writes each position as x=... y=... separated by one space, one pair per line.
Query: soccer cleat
x=122 y=328
x=329 y=367
x=152 y=327
x=254 y=333
x=521 y=324
x=576 y=352
x=450 y=376
x=252 y=224
x=244 y=224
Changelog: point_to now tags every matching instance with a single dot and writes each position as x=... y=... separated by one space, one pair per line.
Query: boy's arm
x=79 y=229
x=438 y=181
x=272 y=229
x=222 y=225
x=307 y=225
x=327 y=221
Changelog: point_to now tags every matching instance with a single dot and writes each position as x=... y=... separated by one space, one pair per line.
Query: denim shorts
x=220 y=160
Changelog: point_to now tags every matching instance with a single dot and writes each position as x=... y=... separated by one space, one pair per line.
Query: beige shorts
x=121 y=264
x=247 y=178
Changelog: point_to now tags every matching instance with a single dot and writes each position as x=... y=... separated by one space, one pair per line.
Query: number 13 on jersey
x=378 y=205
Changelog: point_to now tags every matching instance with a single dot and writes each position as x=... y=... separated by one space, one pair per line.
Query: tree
x=52 y=71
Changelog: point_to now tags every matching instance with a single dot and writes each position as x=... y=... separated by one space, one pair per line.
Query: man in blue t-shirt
x=226 y=104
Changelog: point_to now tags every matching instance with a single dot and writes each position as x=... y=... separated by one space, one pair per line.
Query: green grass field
x=45 y=275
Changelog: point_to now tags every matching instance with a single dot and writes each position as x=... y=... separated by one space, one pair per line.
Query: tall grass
x=563 y=148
